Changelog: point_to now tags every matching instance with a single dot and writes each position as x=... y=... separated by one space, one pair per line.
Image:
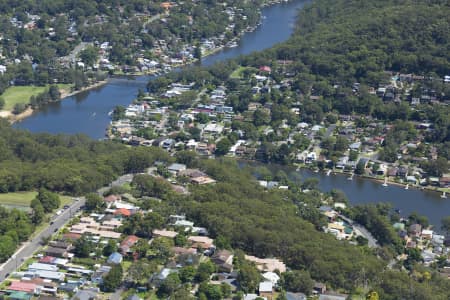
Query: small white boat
x=444 y=195
x=407 y=187
x=232 y=44
x=385 y=181
x=328 y=172
x=351 y=177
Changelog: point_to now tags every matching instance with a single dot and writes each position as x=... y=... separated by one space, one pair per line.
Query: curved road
x=28 y=248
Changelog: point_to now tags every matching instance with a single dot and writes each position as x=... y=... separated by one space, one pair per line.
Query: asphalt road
x=371 y=241
x=29 y=247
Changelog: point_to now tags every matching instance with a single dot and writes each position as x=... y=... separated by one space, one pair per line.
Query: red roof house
x=22 y=287
x=127 y=243
x=265 y=69
x=122 y=212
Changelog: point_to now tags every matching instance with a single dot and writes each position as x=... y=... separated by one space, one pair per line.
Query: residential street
x=28 y=248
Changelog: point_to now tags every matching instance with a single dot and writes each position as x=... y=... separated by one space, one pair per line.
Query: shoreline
x=12 y=118
x=379 y=180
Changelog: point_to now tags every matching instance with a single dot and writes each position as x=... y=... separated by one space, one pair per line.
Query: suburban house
x=267 y=264
x=127 y=243
x=266 y=290
x=224 y=260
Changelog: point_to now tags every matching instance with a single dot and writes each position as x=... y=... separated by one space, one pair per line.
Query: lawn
x=18 y=199
x=21 y=94
x=237 y=73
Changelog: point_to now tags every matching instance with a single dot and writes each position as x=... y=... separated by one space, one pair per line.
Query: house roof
x=47 y=259
x=295 y=296
x=115 y=258
x=19 y=295
x=265 y=287
x=272 y=277
x=72 y=236
x=122 y=212
x=85 y=295
x=165 y=233
x=111 y=198
x=129 y=241
x=176 y=167
x=22 y=287
x=203 y=240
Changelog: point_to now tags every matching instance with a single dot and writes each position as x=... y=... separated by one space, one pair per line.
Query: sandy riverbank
x=29 y=111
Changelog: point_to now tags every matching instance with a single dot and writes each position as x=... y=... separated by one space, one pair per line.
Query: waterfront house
x=415 y=230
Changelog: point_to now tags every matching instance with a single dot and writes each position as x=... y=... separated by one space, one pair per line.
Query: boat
x=232 y=44
x=385 y=181
x=407 y=187
x=351 y=176
x=444 y=195
x=328 y=172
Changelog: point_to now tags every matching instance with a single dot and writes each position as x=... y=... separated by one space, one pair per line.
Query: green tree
x=113 y=279
x=170 y=285
x=298 y=281
x=110 y=248
x=38 y=211
x=261 y=117
x=7 y=247
x=140 y=271
x=94 y=202
x=187 y=274
x=204 y=271
x=248 y=277
x=162 y=248
x=89 y=55
x=49 y=200
x=445 y=224
x=223 y=146
x=83 y=247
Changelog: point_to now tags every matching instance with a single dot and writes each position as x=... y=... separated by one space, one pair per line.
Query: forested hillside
x=274 y=223
x=70 y=164
x=349 y=41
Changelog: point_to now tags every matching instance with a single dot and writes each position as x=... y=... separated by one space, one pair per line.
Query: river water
x=87 y=113
x=360 y=191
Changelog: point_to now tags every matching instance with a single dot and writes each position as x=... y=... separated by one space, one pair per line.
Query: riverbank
x=380 y=180
x=13 y=118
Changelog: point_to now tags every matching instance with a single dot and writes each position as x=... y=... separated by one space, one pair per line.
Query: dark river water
x=87 y=113
x=360 y=191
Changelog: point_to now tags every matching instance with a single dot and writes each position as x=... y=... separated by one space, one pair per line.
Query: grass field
x=17 y=199
x=24 y=199
x=21 y=94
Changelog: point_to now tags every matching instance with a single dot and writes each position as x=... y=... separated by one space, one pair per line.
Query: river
x=360 y=191
x=87 y=113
